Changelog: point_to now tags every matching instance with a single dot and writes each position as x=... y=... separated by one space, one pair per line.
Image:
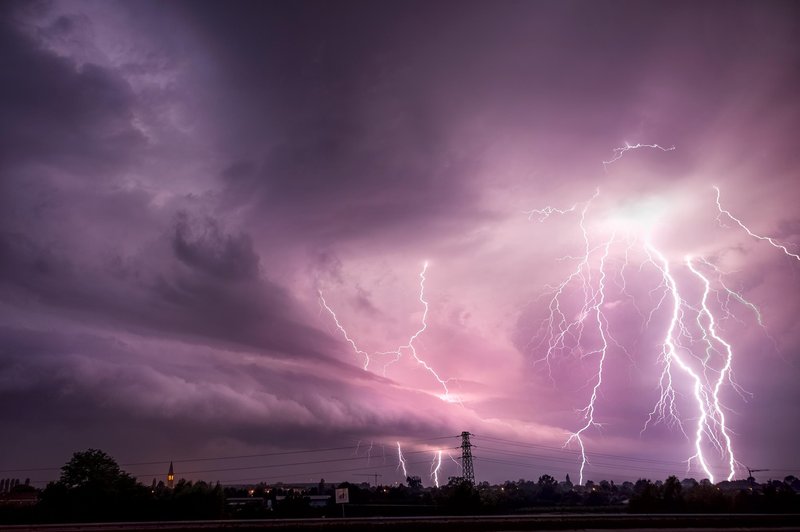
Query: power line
x=615 y=468
x=309 y=473
x=563 y=450
x=542 y=461
x=591 y=464
x=602 y=455
x=565 y=460
x=277 y=453
x=525 y=465
x=315 y=473
x=232 y=457
x=540 y=468
x=269 y=466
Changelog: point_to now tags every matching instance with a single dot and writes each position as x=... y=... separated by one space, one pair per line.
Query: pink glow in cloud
x=181 y=181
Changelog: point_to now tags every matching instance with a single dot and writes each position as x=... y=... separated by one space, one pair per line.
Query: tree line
x=92 y=487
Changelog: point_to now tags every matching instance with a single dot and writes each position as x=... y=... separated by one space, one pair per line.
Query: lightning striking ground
x=401 y=461
x=695 y=358
x=724 y=372
x=436 y=466
x=601 y=351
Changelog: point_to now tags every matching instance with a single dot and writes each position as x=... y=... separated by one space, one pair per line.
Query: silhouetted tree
x=673 y=500
x=459 y=496
x=92 y=487
x=706 y=497
x=547 y=492
x=646 y=496
x=547 y=481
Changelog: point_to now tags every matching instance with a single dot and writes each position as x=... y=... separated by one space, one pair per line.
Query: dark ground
x=604 y=522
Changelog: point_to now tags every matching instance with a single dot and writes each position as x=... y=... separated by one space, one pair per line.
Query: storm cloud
x=179 y=182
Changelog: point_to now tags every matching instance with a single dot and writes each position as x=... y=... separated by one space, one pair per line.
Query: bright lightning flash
x=774 y=243
x=409 y=346
x=352 y=342
x=436 y=466
x=401 y=461
x=694 y=353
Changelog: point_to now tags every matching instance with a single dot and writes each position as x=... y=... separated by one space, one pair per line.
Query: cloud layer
x=180 y=180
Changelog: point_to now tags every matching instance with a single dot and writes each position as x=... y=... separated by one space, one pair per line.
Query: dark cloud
x=79 y=119
x=342 y=132
x=71 y=385
x=252 y=312
x=58 y=112
x=207 y=248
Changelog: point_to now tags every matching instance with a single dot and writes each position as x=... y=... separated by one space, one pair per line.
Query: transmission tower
x=750 y=472
x=466 y=458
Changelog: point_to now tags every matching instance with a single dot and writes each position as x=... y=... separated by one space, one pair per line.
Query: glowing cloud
x=407 y=347
x=694 y=354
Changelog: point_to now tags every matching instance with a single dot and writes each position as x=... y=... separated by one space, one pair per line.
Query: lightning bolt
x=546 y=212
x=670 y=353
x=602 y=328
x=693 y=352
x=369 y=451
x=619 y=152
x=774 y=243
x=339 y=326
x=401 y=461
x=732 y=293
x=558 y=328
x=725 y=303
x=453 y=459
x=407 y=347
x=436 y=465
x=724 y=373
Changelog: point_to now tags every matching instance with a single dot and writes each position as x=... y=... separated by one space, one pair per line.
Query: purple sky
x=179 y=180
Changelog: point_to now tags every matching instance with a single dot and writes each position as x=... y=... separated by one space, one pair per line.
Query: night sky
x=179 y=181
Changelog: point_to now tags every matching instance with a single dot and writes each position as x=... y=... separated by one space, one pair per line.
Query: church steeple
x=170 y=477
